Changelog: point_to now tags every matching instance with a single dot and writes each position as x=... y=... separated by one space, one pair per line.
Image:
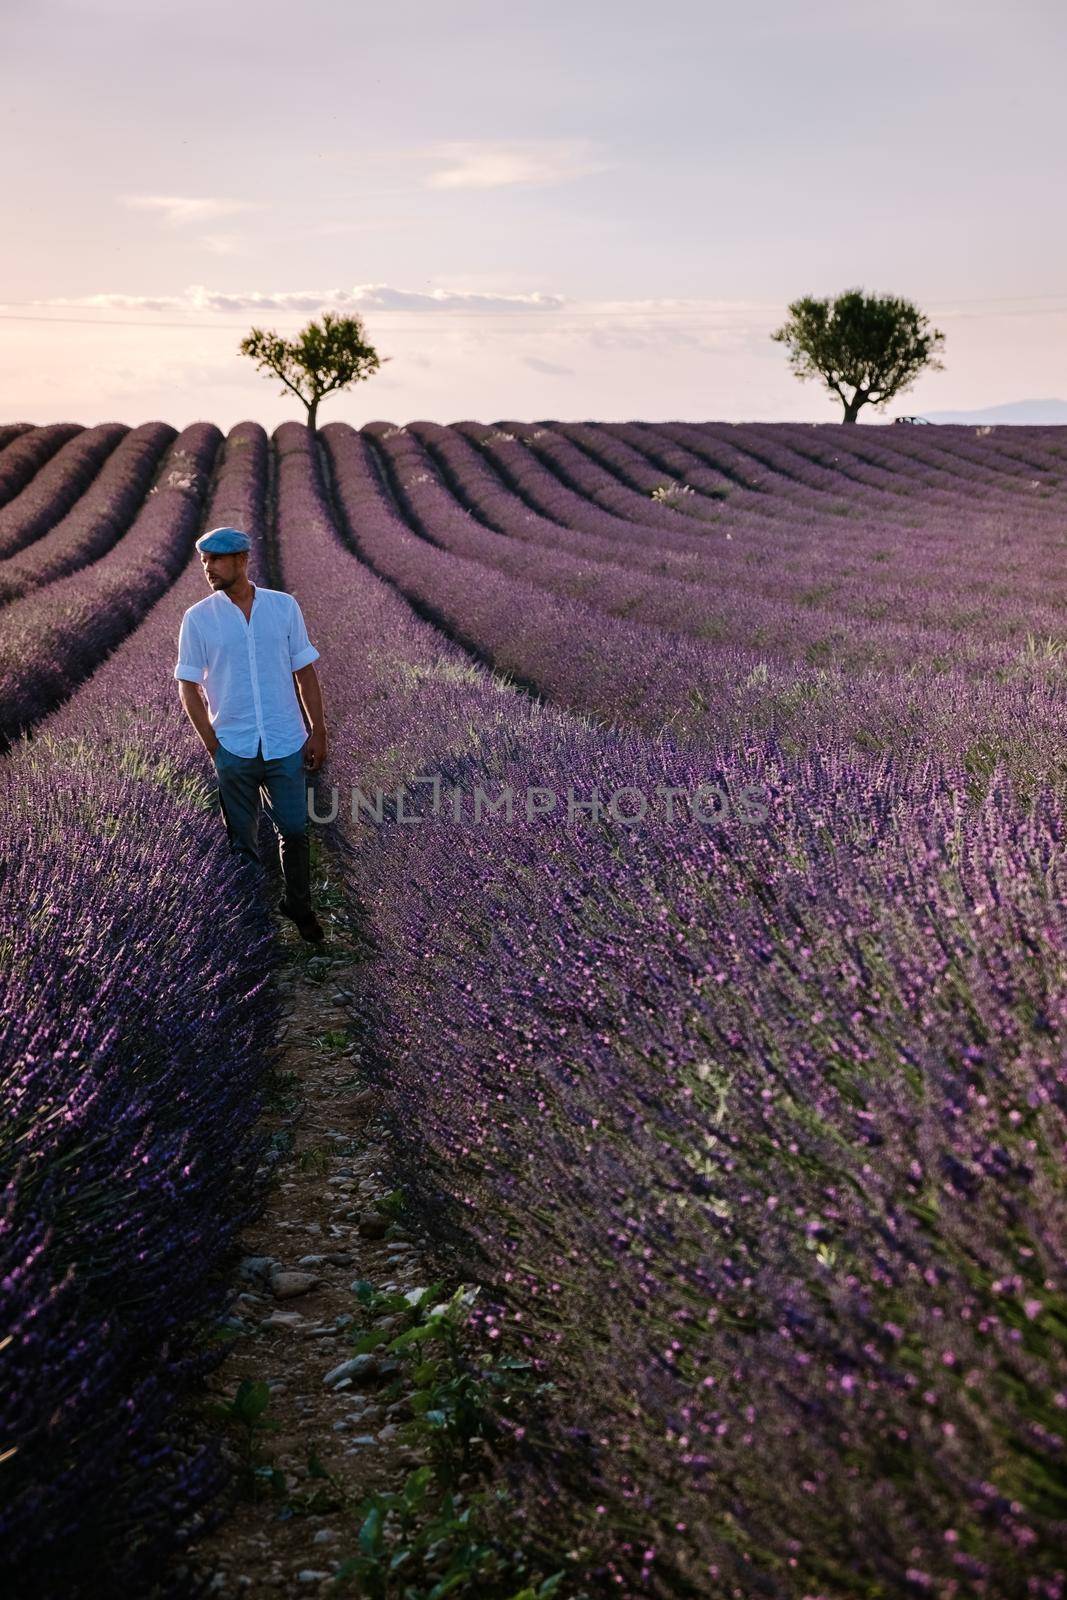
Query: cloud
x=361 y=297
x=489 y=165
x=382 y=298
x=176 y=211
x=550 y=367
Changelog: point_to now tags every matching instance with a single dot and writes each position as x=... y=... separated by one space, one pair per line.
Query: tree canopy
x=872 y=345
x=323 y=358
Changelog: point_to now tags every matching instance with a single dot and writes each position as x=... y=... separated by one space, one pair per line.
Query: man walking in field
x=249 y=648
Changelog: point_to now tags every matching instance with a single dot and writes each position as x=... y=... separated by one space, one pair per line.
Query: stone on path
x=282 y=1319
x=287 y=1285
x=372 y=1226
x=363 y=1366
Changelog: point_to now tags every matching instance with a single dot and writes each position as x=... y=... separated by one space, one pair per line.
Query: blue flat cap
x=223 y=542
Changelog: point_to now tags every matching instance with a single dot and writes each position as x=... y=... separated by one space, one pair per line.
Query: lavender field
x=731 y=1067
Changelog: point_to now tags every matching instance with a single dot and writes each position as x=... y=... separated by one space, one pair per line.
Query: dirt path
x=294 y=1300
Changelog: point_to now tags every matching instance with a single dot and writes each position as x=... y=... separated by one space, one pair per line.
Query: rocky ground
x=293 y=1303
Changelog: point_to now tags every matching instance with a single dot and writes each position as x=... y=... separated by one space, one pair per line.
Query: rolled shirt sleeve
x=301 y=651
x=192 y=657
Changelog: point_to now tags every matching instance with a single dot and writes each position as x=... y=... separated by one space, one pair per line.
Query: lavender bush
x=658 y=681
x=57 y=486
x=806 y=628
x=766 y=1158
x=97 y=520
x=55 y=637
x=28 y=453
x=750 y=1126
x=755 y=1135
x=134 y=1016
x=10 y=431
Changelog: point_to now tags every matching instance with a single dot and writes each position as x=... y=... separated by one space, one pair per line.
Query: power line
x=527 y=318
x=429 y=321
x=747 y=305
x=533 y=315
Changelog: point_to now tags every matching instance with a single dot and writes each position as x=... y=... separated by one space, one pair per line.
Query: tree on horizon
x=874 y=345
x=323 y=358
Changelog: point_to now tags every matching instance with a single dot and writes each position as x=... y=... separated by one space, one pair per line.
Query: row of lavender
x=444 y=669
x=53 y=490
x=587 y=490
x=651 y=678
x=839 y=551
x=786 y=625
x=752 y=488
x=752 y=1130
x=135 y=1009
x=25 y=451
x=819 y=465
x=59 y=631
x=826 y=458
x=829 y=603
x=825 y=473
x=94 y=522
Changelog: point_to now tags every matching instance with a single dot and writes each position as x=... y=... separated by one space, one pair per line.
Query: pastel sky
x=577 y=208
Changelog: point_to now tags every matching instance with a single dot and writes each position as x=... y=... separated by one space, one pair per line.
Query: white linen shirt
x=247 y=669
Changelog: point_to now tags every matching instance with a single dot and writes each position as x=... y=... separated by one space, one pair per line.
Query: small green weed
x=1042 y=649
x=332 y=1039
x=245 y=1419
x=280 y=1091
x=316 y=1159
x=327 y=1495
x=434 y=1537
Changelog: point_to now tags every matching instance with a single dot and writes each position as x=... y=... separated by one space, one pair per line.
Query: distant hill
x=1042 y=412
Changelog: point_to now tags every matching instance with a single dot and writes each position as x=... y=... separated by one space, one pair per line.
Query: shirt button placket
x=255 y=686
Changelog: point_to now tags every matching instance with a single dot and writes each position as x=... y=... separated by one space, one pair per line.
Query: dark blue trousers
x=248 y=782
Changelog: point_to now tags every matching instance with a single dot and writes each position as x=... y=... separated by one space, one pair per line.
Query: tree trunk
x=313 y=411
x=852 y=407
